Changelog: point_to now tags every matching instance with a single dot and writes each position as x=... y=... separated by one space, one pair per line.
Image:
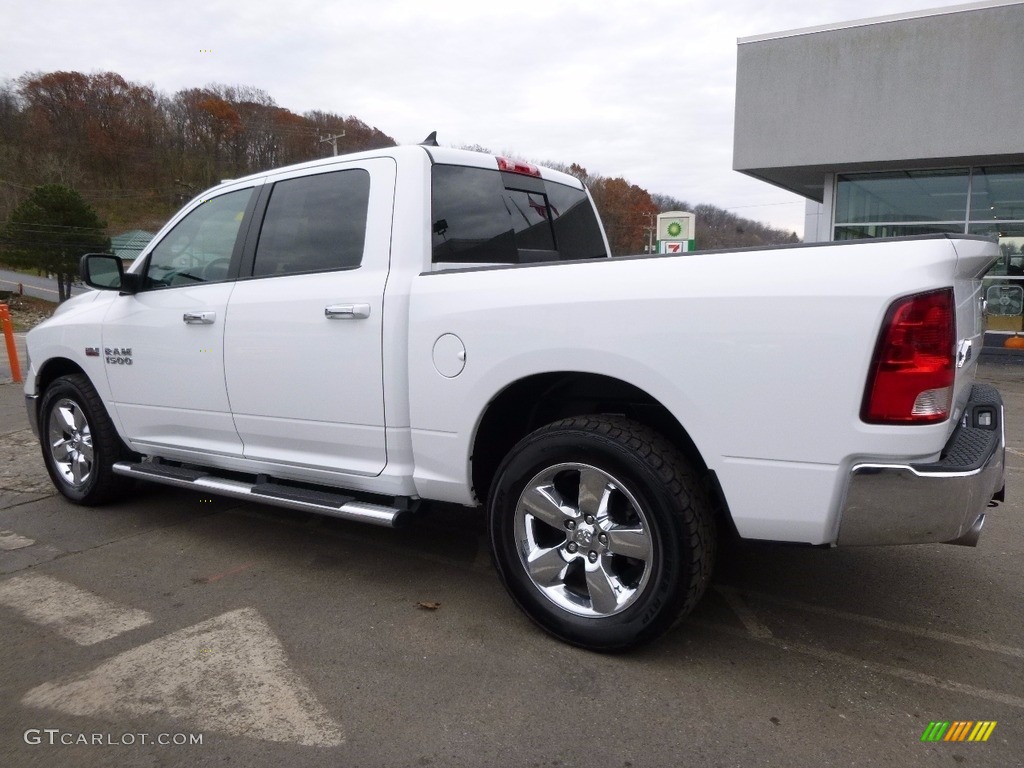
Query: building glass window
x=997 y=194
x=862 y=231
x=979 y=201
x=902 y=197
x=997 y=208
x=1004 y=283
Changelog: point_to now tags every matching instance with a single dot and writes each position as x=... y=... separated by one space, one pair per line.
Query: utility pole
x=333 y=141
x=650 y=232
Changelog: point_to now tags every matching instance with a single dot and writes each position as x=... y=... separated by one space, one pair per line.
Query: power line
x=74 y=246
x=42 y=226
x=89 y=192
x=762 y=205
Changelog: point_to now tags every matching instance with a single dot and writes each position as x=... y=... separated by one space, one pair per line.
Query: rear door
x=303 y=358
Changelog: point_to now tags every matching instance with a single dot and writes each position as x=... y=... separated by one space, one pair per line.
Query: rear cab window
x=481 y=216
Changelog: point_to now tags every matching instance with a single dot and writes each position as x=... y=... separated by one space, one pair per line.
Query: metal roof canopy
x=938 y=88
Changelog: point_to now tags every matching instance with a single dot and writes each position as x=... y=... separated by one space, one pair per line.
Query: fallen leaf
x=428 y=605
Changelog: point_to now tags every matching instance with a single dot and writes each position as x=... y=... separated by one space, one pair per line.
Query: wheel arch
x=53 y=369
x=540 y=399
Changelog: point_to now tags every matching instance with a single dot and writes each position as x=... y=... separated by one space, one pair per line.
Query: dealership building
x=909 y=124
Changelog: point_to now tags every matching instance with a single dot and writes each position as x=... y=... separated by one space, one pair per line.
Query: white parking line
x=909 y=629
x=228 y=674
x=9 y=541
x=755 y=627
x=755 y=630
x=75 y=614
x=885 y=669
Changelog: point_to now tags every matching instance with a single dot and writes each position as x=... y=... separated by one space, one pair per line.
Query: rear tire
x=79 y=442
x=601 y=531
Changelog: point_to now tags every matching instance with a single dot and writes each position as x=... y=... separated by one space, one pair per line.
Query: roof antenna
x=430 y=141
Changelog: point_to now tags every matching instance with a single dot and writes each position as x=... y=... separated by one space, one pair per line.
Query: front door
x=163 y=346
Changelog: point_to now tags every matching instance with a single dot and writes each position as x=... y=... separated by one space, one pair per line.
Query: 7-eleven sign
x=675 y=246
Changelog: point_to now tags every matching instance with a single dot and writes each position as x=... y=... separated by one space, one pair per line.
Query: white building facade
x=900 y=125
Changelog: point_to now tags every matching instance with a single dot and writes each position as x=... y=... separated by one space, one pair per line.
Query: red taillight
x=911 y=379
x=516 y=166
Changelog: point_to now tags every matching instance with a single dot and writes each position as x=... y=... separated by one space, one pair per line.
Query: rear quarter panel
x=761 y=355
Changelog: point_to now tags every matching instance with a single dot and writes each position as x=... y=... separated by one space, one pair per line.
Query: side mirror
x=106 y=272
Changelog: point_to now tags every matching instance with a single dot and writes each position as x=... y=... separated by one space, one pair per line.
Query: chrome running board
x=324 y=502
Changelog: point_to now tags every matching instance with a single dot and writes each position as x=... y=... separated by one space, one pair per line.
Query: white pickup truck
x=355 y=335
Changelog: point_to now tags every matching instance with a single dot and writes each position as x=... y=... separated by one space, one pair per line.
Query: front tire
x=79 y=442
x=601 y=531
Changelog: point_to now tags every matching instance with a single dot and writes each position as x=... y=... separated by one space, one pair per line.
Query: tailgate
x=974 y=257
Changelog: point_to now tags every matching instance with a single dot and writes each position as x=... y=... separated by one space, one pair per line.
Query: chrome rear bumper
x=940 y=502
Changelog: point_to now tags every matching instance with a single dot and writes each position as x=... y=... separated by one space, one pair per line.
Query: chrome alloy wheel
x=584 y=540
x=70 y=442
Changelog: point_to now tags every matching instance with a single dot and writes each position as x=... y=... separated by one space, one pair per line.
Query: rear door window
x=314 y=224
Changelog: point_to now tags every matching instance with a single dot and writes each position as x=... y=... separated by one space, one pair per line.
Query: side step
x=324 y=502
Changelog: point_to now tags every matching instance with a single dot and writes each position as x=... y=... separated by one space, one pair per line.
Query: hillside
x=137 y=154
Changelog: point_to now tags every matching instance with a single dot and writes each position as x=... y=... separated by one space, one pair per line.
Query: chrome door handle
x=199 y=318
x=347 y=311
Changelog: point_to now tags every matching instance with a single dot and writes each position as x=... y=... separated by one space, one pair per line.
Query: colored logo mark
x=959 y=730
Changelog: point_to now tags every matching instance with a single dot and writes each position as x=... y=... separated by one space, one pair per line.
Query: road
x=279 y=638
x=33 y=285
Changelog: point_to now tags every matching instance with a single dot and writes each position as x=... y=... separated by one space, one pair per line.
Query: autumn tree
x=12 y=141
x=207 y=127
x=358 y=135
x=577 y=170
x=627 y=212
x=141 y=153
x=110 y=128
x=50 y=230
x=267 y=136
x=56 y=103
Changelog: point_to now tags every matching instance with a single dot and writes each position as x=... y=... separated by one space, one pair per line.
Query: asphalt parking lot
x=177 y=629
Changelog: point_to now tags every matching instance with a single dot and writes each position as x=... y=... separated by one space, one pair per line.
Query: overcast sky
x=642 y=89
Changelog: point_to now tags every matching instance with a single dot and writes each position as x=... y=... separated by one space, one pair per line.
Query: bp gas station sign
x=676 y=232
